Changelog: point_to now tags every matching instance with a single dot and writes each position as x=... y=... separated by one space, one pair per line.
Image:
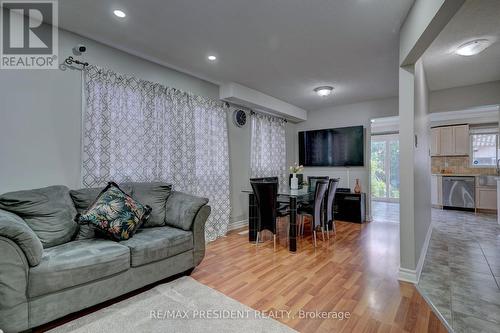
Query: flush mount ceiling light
x=119 y=13
x=212 y=58
x=473 y=47
x=323 y=90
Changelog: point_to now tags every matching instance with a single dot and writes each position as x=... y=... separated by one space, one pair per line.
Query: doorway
x=384 y=167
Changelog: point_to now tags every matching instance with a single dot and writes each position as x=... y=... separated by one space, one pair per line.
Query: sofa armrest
x=182 y=208
x=14 y=228
x=198 y=229
x=14 y=270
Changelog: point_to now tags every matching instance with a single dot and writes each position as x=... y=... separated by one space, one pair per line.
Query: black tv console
x=350 y=207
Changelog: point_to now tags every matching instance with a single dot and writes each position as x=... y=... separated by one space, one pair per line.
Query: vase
x=357 y=188
x=299 y=176
x=294 y=182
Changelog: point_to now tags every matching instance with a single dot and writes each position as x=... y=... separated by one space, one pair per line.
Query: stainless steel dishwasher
x=459 y=192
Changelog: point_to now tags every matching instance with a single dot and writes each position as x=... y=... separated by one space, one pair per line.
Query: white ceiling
x=283 y=48
x=476 y=19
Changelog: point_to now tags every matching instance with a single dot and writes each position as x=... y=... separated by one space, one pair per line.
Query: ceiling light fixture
x=212 y=58
x=473 y=47
x=323 y=91
x=119 y=13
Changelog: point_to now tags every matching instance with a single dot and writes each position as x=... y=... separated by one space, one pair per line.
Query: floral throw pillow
x=115 y=213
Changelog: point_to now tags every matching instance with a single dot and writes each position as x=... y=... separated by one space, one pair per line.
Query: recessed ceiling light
x=119 y=13
x=473 y=47
x=323 y=91
x=212 y=58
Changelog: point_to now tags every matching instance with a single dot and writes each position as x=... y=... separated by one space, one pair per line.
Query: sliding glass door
x=384 y=167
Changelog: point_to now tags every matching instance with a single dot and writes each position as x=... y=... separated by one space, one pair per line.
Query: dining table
x=285 y=194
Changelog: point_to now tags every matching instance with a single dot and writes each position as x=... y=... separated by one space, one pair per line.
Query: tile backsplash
x=458 y=165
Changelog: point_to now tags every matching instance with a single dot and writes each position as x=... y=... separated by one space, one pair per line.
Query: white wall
x=40 y=114
x=239 y=152
x=406 y=172
x=342 y=116
x=462 y=98
x=425 y=21
x=40 y=127
x=415 y=169
x=422 y=162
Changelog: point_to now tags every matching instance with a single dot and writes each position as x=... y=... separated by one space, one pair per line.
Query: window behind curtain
x=484 y=146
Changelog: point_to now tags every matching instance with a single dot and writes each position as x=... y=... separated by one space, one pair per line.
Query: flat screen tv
x=332 y=147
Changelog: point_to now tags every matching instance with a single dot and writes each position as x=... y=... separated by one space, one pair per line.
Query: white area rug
x=183 y=305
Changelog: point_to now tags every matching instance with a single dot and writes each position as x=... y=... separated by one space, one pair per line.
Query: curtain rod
x=70 y=61
x=267 y=114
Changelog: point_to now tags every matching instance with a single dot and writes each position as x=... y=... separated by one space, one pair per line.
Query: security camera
x=79 y=49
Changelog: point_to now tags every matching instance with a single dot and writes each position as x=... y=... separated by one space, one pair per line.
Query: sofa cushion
x=154 y=195
x=181 y=208
x=75 y=263
x=114 y=213
x=85 y=197
x=48 y=211
x=153 y=244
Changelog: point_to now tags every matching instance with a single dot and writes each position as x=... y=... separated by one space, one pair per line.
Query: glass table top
x=285 y=190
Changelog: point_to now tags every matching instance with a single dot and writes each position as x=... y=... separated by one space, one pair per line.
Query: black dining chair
x=266 y=194
x=333 y=183
x=316 y=210
x=311 y=180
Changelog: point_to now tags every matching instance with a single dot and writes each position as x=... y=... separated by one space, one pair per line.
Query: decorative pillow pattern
x=115 y=213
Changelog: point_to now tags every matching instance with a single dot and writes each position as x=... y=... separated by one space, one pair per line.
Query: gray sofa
x=50 y=266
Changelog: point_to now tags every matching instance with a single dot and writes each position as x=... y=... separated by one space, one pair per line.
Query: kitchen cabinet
x=450 y=141
x=486 y=198
x=446 y=141
x=436 y=190
x=461 y=139
x=435 y=144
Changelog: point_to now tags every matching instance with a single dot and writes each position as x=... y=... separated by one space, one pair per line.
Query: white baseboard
x=407 y=275
x=423 y=252
x=413 y=275
x=237 y=225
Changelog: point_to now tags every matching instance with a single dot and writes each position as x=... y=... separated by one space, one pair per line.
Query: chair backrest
x=332 y=188
x=264 y=179
x=319 y=198
x=311 y=180
x=266 y=194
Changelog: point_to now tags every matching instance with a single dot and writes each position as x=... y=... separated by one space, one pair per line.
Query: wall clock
x=239 y=118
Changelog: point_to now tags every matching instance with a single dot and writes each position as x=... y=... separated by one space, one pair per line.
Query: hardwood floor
x=354 y=272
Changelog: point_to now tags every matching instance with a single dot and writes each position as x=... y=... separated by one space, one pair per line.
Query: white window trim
x=482 y=130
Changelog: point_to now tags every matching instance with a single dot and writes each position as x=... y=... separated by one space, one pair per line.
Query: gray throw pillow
x=83 y=199
x=155 y=195
x=48 y=211
x=182 y=209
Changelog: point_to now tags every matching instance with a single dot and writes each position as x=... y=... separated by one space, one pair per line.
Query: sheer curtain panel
x=268 y=147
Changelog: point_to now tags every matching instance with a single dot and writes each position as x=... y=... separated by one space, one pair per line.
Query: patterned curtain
x=136 y=130
x=268 y=147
